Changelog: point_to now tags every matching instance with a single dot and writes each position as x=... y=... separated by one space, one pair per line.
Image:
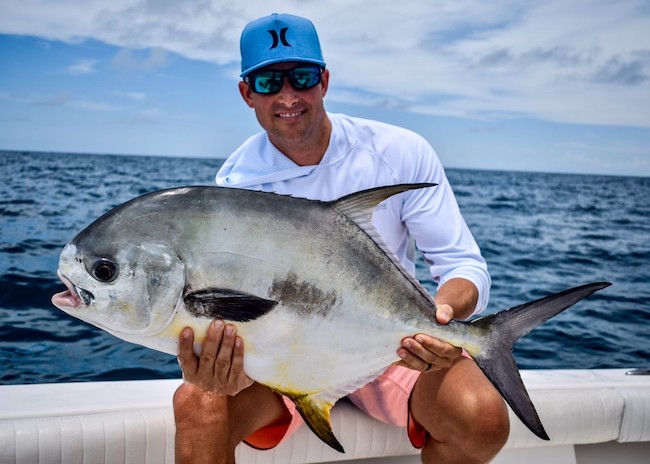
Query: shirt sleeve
x=435 y=223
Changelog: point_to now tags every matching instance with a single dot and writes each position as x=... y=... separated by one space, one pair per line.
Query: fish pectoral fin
x=315 y=410
x=223 y=303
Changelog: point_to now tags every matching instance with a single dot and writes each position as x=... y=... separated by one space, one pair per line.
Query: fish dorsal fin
x=359 y=206
x=315 y=410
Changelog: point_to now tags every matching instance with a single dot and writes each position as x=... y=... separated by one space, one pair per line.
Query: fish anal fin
x=230 y=305
x=315 y=410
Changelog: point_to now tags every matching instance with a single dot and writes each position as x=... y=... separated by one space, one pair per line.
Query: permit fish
x=299 y=279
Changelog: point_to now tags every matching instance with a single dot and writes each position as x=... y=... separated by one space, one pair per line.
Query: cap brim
x=281 y=60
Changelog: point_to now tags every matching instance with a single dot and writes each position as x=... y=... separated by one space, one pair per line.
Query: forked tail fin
x=503 y=329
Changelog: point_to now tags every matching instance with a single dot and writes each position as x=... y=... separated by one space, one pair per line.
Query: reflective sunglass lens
x=269 y=82
x=304 y=78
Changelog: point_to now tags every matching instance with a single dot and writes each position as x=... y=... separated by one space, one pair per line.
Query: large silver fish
x=321 y=305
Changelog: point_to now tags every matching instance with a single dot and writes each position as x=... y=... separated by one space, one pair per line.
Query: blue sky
x=559 y=86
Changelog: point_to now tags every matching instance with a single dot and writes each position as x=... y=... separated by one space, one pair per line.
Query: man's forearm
x=201 y=425
x=460 y=294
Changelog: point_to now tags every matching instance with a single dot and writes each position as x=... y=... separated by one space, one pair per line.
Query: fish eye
x=104 y=270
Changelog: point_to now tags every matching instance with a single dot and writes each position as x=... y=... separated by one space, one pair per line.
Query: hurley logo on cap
x=281 y=38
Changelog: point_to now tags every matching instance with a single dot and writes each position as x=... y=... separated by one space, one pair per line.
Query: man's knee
x=484 y=420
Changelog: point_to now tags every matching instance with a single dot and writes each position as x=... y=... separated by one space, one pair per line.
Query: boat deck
x=592 y=416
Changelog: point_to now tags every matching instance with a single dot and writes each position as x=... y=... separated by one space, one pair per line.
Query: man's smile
x=294 y=114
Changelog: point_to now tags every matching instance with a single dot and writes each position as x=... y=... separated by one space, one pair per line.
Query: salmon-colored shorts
x=386 y=398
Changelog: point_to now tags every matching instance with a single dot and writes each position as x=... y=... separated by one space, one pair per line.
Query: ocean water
x=540 y=233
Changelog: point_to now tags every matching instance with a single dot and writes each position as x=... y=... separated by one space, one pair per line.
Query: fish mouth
x=74 y=297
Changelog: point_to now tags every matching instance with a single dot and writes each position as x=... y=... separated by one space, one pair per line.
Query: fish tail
x=503 y=329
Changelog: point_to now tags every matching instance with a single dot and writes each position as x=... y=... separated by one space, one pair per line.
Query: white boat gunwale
x=590 y=415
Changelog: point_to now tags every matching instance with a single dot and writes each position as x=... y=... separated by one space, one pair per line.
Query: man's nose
x=287 y=94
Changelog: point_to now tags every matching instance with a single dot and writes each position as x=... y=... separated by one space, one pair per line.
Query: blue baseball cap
x=277 y=38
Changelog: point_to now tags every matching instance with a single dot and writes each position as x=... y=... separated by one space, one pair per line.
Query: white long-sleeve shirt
x=363 y=154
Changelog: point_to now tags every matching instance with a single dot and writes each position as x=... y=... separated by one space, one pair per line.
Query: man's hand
x=427 y=354
x=220 y=367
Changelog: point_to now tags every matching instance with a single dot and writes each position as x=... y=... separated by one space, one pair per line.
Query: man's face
x=290 y=117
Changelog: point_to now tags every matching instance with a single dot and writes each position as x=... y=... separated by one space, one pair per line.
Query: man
x=448 y=407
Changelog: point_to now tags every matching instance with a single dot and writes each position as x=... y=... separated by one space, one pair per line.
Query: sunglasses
x=270 y=82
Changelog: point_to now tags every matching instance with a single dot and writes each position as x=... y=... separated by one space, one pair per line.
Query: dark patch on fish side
x=301 y=296
x=230 y=305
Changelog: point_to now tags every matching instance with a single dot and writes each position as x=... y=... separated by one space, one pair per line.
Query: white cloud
x=60 y=99
x=150 y=60
x=91 y=105
x=582 y=61
x=138 y=96
x=81 y=68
